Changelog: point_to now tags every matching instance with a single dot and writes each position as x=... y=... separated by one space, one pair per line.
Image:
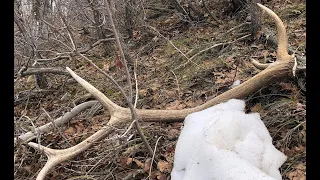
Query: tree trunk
x=255 y=18
x=129 y=19
x=97 y=19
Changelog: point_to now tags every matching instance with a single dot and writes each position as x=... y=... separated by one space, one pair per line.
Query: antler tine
x=52 y=159
x=106 y=102
x=259 y=65
x=56 y=156
x=282 y=52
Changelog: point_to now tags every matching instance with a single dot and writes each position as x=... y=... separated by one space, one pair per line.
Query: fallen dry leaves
x=256 y=108
x=164 y=166
x=131 y=162
x=76 y=131
x=298 y=174
x=173 y=134
x=147 y=164
x=175 y=105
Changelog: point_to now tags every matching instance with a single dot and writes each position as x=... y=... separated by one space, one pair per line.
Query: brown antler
x=282 y=51
x=281 y=68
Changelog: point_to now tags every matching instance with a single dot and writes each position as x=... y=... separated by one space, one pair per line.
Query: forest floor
x=167 y=80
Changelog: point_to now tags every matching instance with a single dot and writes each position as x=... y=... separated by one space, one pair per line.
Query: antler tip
x=72 y=73
x=262 y=6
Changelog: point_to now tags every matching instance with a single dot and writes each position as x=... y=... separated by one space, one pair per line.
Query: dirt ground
x=167 y=80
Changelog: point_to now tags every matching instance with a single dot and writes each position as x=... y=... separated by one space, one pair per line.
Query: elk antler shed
x=282 y=67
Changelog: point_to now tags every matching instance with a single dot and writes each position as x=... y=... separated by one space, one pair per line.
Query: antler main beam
x=281 y=68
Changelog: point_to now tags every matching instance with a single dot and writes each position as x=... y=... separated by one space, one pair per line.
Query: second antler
x=284 y=66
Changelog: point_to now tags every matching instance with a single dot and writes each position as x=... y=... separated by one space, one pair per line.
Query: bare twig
x=164 y=10
x=123 y=59
x=54 y=125
x=106 y=75
x=74 y=48
x=38 y=135
x=234 y=28
x=136 y=80
x=96 y=44
x=129 y=99
x=129 y=128
x=155 y=149
x=64 y=44
x=178 y=87
x=288 y=135
x=82 y=177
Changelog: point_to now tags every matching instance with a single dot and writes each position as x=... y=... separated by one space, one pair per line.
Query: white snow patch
x=222 y=142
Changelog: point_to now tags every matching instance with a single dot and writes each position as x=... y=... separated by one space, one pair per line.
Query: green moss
x=112 y=93
x=181 y=43
x=192 y=72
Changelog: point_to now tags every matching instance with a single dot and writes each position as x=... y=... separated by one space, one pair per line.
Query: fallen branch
x=52 y=70
x=30 y=94
x=47 y=60
x=26 y=137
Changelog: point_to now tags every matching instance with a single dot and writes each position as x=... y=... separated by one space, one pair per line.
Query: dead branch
x=96 y=44
x=29 y=94
x=124 y=62
x=47 y=60
x=26 y=137
x=59 y=56
x=55 y=127
x=180 y=9
x=123 y=58
x=52 y=70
